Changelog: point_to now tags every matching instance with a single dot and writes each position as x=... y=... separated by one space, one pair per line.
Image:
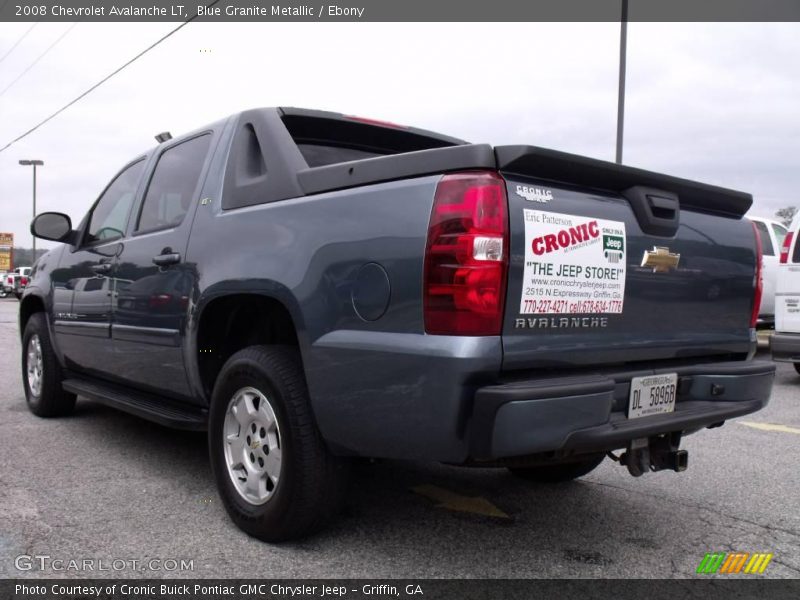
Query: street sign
x=6 y=252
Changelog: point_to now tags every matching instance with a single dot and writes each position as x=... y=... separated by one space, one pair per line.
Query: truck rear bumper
x=785 y=347
x=588 y=414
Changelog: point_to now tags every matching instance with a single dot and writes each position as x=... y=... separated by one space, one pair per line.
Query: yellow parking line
x=770 y=427
x=452 y=501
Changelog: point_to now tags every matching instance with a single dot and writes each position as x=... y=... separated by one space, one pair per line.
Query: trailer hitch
x=654 y=454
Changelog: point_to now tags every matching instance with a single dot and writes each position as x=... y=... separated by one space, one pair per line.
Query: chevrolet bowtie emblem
x=661 y=259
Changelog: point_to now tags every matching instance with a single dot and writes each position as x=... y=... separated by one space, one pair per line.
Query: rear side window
x=766 y=241
x=94 y=284
x=173 y=185
x=780 y=234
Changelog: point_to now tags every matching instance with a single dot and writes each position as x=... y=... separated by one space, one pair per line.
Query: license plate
x=652 y=395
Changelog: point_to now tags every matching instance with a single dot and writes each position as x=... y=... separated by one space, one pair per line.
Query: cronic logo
x=534 y=194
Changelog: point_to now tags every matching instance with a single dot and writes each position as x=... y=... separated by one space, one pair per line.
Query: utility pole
x=34 y=164
x=623 y=48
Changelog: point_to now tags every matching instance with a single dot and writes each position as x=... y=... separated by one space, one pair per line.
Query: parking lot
x=107 y=486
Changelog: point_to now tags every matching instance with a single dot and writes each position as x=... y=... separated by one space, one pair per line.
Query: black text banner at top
x=401 y=10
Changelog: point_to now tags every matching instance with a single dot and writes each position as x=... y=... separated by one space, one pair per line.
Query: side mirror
x=53 y=226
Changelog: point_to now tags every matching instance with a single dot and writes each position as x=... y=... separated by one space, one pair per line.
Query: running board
x=147 y=406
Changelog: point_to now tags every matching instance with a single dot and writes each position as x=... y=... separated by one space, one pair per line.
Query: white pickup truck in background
x=772 y=235
x=785 y=342
x=16 y=281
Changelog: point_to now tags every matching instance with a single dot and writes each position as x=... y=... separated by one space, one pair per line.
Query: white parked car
x=772 y=235
x=785 y=343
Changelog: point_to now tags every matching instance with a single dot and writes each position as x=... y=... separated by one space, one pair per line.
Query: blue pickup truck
x=310 y=287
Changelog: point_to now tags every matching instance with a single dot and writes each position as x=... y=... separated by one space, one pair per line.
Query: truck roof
x=309 y=151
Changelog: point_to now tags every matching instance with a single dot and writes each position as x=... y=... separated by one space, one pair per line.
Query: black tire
x=796 y=367
x=18 y=295
x=312 y=481
x=559 y=472
x=52 y=400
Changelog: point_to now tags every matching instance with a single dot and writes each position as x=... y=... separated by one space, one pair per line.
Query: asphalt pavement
x=102 y=486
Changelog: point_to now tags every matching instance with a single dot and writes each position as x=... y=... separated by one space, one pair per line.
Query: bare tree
x=785 y=215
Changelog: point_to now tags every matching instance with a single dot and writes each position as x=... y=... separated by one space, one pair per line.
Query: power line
x=15 y=44
x=38 y=58
x=104 y=79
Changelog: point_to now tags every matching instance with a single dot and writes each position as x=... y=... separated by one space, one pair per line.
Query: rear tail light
x=787 y=243
x=23 y=281
x=466 y=257
x=159 y=300
x=758 y=284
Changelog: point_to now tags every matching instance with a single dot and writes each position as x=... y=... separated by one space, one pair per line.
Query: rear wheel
x=277 y=479
x=797 y=367
x=41 y=373
x=559 y=472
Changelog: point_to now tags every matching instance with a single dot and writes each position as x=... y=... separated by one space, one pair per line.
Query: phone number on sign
x=562 y=307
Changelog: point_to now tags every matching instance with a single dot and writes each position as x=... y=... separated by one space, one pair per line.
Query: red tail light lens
x=758 y=283
x=466 y=258
x=159 y=300
x=23 y=281
x=787 y=243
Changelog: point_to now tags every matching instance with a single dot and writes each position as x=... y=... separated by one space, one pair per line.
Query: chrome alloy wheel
x=252 y=442
x=35 y=366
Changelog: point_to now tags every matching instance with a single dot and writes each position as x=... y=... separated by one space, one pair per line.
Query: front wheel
x=277 y=479
x=41 y=372
x=559 y=472
x=796 y=367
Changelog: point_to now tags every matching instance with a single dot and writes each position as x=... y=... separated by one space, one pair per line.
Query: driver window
x=110 y=214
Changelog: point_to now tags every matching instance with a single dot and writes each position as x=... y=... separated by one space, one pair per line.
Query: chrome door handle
x=163 y=260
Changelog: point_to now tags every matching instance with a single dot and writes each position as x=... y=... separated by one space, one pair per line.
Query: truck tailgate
x=609 y=263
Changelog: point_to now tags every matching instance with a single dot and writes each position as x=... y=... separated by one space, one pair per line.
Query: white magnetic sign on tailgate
x=573 y=264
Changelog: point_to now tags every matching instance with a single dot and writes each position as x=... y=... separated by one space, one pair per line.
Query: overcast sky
x=715 y=102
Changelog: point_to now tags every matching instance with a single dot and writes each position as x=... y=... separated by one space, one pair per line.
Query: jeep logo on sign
x=613 y=248
x=534 y=194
